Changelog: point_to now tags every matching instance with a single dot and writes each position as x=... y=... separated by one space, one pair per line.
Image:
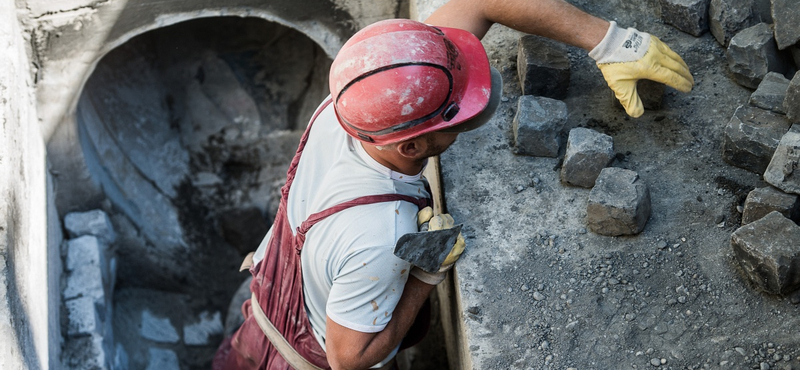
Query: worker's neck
x=392 y=160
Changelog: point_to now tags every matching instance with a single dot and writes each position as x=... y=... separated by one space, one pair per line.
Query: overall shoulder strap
x=369 y=199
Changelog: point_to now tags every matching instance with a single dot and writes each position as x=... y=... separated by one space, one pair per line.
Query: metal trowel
x=428 y=249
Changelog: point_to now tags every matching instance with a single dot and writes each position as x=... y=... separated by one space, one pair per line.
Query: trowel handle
x=434 y=175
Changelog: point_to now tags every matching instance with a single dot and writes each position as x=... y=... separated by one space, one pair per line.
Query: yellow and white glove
x=428 y=222
x=625 y=56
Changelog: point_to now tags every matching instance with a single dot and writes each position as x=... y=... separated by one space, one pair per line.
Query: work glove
x=428 y=222
x=625 y=56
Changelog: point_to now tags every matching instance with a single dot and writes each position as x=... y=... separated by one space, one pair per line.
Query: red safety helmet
x=398 y=79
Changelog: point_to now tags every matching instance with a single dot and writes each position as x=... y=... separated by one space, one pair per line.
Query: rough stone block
x=85 y=250
x=651 y=93
x=752 y=53
x=83 y=353
x=786 y=15
x=95 y=222
x=762 y=201
x=783 y=171
x=158 y=329
x=85 y=281
x=690 y=16
x=162 y=359
x=588 y=152
x=727 y=17
x=769 y=254
x=543 y=67
x=538 y=124
x=619 y=203
x=82 y=317
x=207 y=325
x=751 y=137
x=771 y=93
x=791 y=104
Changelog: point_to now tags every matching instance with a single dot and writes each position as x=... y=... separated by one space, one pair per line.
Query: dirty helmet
x=398 y=79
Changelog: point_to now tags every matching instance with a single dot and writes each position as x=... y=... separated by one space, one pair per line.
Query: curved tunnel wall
x=95 y=144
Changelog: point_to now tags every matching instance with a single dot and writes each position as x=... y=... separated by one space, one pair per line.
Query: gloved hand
x=626 y=56
x=428 y=222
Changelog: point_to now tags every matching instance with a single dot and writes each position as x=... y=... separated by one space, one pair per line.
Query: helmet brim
x=488 y=112
x=478 y=91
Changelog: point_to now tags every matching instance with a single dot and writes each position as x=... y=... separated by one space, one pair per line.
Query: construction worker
x=327 y=290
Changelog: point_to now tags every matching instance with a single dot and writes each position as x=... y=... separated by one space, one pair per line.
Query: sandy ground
x=542 y=292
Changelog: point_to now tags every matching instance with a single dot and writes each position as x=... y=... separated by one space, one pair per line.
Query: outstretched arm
x=555 y=19
x=624 y=56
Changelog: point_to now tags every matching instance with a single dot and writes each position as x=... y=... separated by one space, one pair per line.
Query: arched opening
x=189 y=130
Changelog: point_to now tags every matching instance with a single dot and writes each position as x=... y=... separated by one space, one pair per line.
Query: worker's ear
x=413 y=148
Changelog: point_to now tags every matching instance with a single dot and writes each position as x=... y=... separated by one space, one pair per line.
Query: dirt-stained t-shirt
x=350 y=273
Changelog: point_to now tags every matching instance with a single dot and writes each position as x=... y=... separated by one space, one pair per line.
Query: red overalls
x=278 y=286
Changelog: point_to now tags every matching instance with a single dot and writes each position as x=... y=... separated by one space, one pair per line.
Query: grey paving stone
x=762 y=201
x=82 y=318
x=771 y=93
x=690 y=16
x=791 y=104
x=751 y=137
x=206 y=326
x=769 y=254
x=619 y=203
x=95 y=222
x=85 y=250
x=162 y=359
x=84 y=353
x=85 y=281
x=588 y=152
x=727 y=17
x=158 y=329
x=752 y=53
x=538 y=124
x=786 y=15
x=543 y=67
x=783 y=172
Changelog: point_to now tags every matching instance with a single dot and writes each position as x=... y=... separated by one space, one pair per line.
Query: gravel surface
x=541 y=292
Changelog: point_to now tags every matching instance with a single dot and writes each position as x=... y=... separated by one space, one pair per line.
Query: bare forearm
x=351 y=353
x=555 y=19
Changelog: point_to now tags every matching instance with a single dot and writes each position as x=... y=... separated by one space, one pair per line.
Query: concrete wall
x=29 y=270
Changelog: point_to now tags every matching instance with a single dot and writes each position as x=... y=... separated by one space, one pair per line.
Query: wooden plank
x=451 y=309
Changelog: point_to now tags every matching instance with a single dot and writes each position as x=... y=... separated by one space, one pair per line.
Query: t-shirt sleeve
x=367 y=288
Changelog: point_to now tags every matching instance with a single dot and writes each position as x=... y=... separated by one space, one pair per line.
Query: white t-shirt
x=350 y=273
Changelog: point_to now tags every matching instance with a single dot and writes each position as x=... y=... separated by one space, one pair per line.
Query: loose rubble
x=537 y=126
x=690 y=16
x=782 y=171
x=619 y=203
x=751 y=137
x=791 y=104
x=752 y=53
x=728 y=17
x=762 y=201
x=771 y=93
x=768 y=252
x=785 y=13
x=543 y=67
x=588 y=152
